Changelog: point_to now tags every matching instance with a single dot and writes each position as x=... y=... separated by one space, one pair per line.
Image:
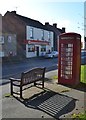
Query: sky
x=68 y=14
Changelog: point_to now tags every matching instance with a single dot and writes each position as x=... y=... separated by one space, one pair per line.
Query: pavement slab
x=54 y=101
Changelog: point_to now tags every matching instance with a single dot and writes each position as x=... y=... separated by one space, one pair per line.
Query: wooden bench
x=31 y=76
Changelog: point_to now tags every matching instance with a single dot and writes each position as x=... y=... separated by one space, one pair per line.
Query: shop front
x=35 y=48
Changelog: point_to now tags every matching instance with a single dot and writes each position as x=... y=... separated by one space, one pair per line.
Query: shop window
x=52 y=49
x=43 y=48
x=31 y=48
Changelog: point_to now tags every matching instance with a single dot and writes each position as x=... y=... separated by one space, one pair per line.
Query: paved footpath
x=54 y=101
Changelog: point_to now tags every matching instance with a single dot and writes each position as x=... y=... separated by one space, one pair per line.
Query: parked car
x=51 y=54
x=83 y=57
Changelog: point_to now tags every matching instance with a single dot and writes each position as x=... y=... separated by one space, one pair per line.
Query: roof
x=70 y=34
x=34 y=23
x=30 y=21
x=38 y=24
x=54 y=29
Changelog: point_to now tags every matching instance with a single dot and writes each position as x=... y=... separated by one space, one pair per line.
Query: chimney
x=13 y=12
x=55 y=25
x=46 y=23
x=63 y=29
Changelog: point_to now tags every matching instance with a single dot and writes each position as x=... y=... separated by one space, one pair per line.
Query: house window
x=42 y=33
x=43 y=48
x=1 y=54
x=31 y=48
x=31 y=32
x=9 y=39
x=1 y=39
x=49 y=35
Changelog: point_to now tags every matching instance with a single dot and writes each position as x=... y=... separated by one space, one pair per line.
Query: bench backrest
x=32 y=75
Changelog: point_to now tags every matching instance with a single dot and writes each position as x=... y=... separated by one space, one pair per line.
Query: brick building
x=7 y=40
x=33 y=38
x=57 y=32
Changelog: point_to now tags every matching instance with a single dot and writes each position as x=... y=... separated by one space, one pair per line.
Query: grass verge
x=80 y=116
x=83 y=74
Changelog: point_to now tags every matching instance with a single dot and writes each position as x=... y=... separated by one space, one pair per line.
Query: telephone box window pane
x=70 y=49
x=70 y=45
x=62 y=45
x=62 y=49
x=66 y=60
x=68 y=77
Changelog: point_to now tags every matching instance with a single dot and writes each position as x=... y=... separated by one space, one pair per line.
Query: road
x=15 y=69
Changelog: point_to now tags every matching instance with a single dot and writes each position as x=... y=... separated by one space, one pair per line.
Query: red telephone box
x=69 y=60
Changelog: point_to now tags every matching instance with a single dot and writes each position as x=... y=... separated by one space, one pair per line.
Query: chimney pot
x=63 y=29
x=14 y=12
x=46 y=23
x=55 y=25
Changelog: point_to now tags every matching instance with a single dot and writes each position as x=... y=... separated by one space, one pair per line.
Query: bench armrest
x=14 y=79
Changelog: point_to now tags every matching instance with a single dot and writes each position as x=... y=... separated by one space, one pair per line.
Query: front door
x=37 y=50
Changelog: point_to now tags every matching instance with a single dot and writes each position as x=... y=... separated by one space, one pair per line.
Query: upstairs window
x=31 y=32
x=49 y=35
x=42 y=34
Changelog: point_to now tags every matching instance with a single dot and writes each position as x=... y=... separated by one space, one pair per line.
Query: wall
x=9 y=45
x=15 y=26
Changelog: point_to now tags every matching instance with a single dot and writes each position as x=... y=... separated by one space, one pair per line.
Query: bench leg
x=11 y=87
x=43 y=83
x=20 y=91
x=34 y=83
